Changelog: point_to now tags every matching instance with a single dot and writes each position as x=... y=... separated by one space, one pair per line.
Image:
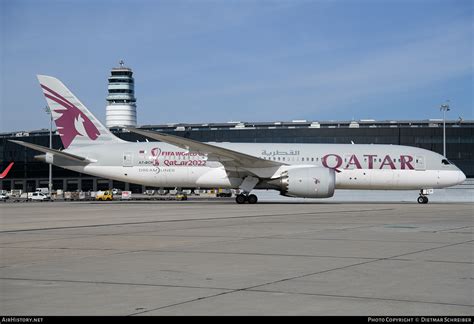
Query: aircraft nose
x=461 y=177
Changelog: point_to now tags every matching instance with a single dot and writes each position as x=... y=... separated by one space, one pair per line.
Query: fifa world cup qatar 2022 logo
x=155 y=154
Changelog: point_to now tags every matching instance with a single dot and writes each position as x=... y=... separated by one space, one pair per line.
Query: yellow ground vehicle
x=181 y=197
x=104 y=195
x=223 y=193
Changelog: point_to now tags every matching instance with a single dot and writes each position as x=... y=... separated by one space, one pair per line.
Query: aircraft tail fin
x=5 y=172
x=75 y=123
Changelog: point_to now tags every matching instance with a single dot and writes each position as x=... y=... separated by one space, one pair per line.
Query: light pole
x=444 y=108
x=50 y=182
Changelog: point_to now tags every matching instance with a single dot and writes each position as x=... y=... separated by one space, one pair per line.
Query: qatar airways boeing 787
x=296 y=170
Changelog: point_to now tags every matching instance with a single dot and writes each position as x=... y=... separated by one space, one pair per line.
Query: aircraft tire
x=422 y=200
x=240 y=199
x=252 y=199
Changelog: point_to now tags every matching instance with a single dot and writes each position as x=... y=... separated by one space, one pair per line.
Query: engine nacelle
x=311 y=182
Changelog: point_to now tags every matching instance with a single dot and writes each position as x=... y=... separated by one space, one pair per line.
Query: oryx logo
x=72 y=121
x=155 y=154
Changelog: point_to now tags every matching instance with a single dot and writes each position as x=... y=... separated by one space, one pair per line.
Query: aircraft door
x=127 y=159
x=420 y=163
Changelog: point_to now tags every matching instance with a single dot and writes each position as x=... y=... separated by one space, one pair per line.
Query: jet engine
x=310 y=182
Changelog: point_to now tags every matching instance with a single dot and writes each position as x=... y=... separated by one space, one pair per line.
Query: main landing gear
x=245 y=187
x=243 y=198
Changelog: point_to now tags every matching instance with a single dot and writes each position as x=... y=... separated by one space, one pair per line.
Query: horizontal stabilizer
x=43 y=149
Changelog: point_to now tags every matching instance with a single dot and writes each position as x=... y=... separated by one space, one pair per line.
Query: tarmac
x=214 y=257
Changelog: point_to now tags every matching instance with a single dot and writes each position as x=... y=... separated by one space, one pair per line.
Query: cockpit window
x=445 y=162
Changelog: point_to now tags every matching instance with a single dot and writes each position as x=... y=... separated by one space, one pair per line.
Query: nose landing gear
x=423 y=199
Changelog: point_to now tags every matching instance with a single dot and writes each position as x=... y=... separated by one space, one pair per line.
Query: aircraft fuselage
x=358 y=166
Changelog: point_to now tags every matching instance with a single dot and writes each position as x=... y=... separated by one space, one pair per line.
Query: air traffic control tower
x=121 y=103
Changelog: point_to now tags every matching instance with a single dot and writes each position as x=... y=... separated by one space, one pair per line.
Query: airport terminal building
x=28 y=174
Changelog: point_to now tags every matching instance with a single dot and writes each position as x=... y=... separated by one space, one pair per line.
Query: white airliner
x=295 y=170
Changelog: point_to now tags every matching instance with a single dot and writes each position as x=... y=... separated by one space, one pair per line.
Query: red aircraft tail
x=4 y=173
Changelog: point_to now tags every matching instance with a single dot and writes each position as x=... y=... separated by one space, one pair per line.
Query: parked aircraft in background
x=295 y=170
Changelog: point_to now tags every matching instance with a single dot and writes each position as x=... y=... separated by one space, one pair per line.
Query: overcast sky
x=218 y=61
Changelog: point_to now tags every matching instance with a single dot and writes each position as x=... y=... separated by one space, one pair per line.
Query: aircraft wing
x=43 y=149
x=228 y=158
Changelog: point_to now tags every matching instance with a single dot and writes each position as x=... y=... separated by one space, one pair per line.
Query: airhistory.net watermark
x=21 y=319
x=419 y=319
